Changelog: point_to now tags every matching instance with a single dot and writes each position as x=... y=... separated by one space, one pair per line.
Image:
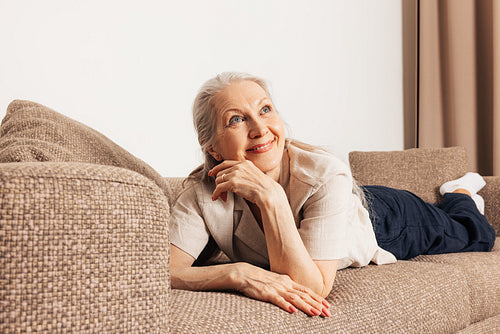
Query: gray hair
x=204 y=116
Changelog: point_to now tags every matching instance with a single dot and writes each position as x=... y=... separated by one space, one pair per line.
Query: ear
x=214 y=153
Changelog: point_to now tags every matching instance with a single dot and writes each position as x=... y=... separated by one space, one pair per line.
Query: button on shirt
x=331 y=220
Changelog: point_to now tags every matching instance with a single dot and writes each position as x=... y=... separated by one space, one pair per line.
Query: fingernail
x=315 y=312
x=327 y=304
x=292 y=309
x=327 y=312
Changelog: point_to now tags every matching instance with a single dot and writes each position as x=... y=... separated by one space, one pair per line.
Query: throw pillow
x=421 y=171
x=33 y=132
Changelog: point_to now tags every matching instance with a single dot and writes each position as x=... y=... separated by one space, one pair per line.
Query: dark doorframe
x=410 y=42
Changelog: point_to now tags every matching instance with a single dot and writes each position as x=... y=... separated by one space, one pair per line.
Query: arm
x=287 y=253
x=250 y=280
x=105 y=240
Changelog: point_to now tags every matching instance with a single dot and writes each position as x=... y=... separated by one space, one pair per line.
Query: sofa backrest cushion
x=33 y=132
x=421 y=171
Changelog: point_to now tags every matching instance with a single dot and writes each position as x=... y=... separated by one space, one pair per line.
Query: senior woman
x=289 y=215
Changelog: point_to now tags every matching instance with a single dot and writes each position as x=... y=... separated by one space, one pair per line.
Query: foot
x=479 y=202
x=472 y=182
x=462 y=191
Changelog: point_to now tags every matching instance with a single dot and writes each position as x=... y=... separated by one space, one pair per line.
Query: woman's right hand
x=252 y=281
x=281 y=290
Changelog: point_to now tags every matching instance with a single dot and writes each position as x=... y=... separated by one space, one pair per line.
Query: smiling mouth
x=262 y=147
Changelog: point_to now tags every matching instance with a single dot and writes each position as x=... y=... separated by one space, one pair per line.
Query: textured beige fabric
x=482 y=271
x=176 y=186
x=406 y=297
x=488 y=326
x=490 y=194
x=84 y=249
x=421 y=171
x=33 y=132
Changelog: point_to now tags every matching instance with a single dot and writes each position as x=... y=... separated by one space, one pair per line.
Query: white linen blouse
x=330 y=219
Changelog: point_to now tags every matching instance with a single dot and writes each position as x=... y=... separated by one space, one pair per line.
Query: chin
x=268 y=161
x=268 y=165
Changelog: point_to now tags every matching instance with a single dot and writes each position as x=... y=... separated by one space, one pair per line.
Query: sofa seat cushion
x=409 y=297
x=482 y=271
x=488 y=326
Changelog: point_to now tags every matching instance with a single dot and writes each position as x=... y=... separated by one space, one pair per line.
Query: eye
x=265 y=110
x=235 y=119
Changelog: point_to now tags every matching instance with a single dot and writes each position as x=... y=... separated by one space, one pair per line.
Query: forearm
x=253 y=282
x=217 y=277
x=287 y=253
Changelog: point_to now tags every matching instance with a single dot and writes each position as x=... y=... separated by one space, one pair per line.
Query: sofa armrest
x=491 y=195
x=84 y=248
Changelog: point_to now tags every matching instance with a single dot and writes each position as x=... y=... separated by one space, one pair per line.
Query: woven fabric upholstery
x=482 y=271
x=488 y=326
x=176 y=186
x=421 y=171
x=33 y=132
x=491 y=196
x=84 y=249
x=401 y=298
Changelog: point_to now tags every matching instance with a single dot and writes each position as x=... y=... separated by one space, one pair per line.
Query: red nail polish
x=315 y=312
x=327 y=304
x=292 y=309
x=327 y=312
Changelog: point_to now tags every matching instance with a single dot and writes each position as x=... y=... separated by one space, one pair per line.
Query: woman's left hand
x=246 y=180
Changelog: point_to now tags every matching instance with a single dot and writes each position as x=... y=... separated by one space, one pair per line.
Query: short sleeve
x=326 y=214
x=336 y=226
x=187 y=227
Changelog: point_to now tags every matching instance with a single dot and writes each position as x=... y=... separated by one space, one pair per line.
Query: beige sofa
x=84 y=247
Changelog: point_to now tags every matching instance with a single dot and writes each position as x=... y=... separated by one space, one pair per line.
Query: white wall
x=131 y=69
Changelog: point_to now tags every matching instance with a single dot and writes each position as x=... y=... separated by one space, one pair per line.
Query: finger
x=318 y=304
x=281 y=302
x=269 y=294
x=218 y=193
x=315 y=302
x=221 y=191
x=297 y=301
x=312 y=294
x=222 y=166
x=287 y=300
x=232 y=182
x=224 y=176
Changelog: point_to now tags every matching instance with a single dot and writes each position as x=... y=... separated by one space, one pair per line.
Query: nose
x=258 y=128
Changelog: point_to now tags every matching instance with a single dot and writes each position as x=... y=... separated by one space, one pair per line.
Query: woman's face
x=248 y=127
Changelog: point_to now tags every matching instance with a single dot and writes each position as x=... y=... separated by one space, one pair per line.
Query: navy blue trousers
x=407 y=226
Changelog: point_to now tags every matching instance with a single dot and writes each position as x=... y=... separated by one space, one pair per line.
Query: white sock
x=479 y=202
x=472 y=182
